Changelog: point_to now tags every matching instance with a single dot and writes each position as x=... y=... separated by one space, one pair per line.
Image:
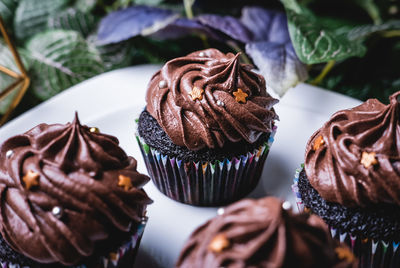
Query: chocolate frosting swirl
x=78 y=172
x=335 y=169
x=262 y=234
x=217 y=117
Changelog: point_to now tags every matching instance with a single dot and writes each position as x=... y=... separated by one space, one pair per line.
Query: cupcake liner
x=371 y=253
x=205 y=183
x=295 y=189
x=113 y=259
x=130 y=247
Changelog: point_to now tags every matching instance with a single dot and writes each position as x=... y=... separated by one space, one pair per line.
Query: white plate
x=113 y=100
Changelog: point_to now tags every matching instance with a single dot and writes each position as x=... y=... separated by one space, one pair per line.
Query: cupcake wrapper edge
x=371 y=253
x=205 y=183
x=110 y=261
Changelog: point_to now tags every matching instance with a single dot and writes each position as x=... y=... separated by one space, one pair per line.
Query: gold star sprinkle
x=124 y=181
x=196 y=93
x=318 y=142
x=368 y=159
x=94 y=130
x=31 y=179
x=240 y=96
x=344 y=254
x=219 y=243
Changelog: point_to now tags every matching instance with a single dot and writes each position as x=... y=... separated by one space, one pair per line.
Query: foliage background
x=62 y=42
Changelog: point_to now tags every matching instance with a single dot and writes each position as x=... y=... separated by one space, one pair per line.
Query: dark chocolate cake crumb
x=154 y=136
x=7 y=254
x=380 y=221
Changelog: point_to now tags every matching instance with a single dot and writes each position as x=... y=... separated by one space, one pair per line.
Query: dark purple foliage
x=266 y=25
x=264 y=32
x=182 y=27
x=132 y=21
x=227 y=25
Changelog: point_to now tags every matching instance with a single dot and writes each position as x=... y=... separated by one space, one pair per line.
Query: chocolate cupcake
x=351 y=178
x=70 y=196
x=207 y=128
x=264 y=233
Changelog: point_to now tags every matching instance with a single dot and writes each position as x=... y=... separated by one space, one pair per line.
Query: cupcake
x=207 y=128
x=264 y=233
x=70 y=196
x=351 y=178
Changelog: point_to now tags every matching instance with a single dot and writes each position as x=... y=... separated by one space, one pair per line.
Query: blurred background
x=348 y=46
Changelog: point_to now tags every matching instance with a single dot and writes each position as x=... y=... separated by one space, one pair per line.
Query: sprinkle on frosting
x=57 y=212
x=345 y=254
x=196 y=93
x=124 y=181
x=211 y=78
x=9 y=154
x=31 y=179
x=94 y=130
x=368 y=159
x=260 y=233
x=219 y=243
x=355 y=140
x=162 y=84
x=78 y=170
x=240 y=96
x=319 y=141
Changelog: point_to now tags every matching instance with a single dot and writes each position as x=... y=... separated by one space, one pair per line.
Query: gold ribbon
x=21 y=79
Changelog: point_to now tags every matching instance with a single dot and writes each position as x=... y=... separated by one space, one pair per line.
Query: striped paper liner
x=295 y=188
x=205 y=183
x=113 y=259
x=371 y=253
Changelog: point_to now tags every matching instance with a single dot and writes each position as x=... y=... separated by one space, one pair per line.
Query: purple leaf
x=278 y=63
x=266 y=25
x=227 y=25
x=183 y=27
x=132 y=21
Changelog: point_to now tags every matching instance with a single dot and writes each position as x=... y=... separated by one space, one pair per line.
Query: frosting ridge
x=230 y=102
x=260 y=233
x=359 y=161
x=77 y=171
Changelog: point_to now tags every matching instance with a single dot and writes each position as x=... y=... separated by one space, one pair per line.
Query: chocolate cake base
x=154 y=136
x=379 y=222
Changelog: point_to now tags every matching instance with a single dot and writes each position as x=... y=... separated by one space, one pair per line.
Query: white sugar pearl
x=220 y=211
x=9 y=154
x=57 y=212
x=162 y=84
x=220 y=103
x=286 y=205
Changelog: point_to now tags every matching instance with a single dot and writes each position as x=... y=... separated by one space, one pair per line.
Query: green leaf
x=376 y=75
x=313 y=42
x=114 y=56
x=61 y=59
x=7 y=60
x=149 y=2
x=31 y=16
x=364 y=31
x=188 y=8
x=7 y=9
x=73 y=19
x=85 y=5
